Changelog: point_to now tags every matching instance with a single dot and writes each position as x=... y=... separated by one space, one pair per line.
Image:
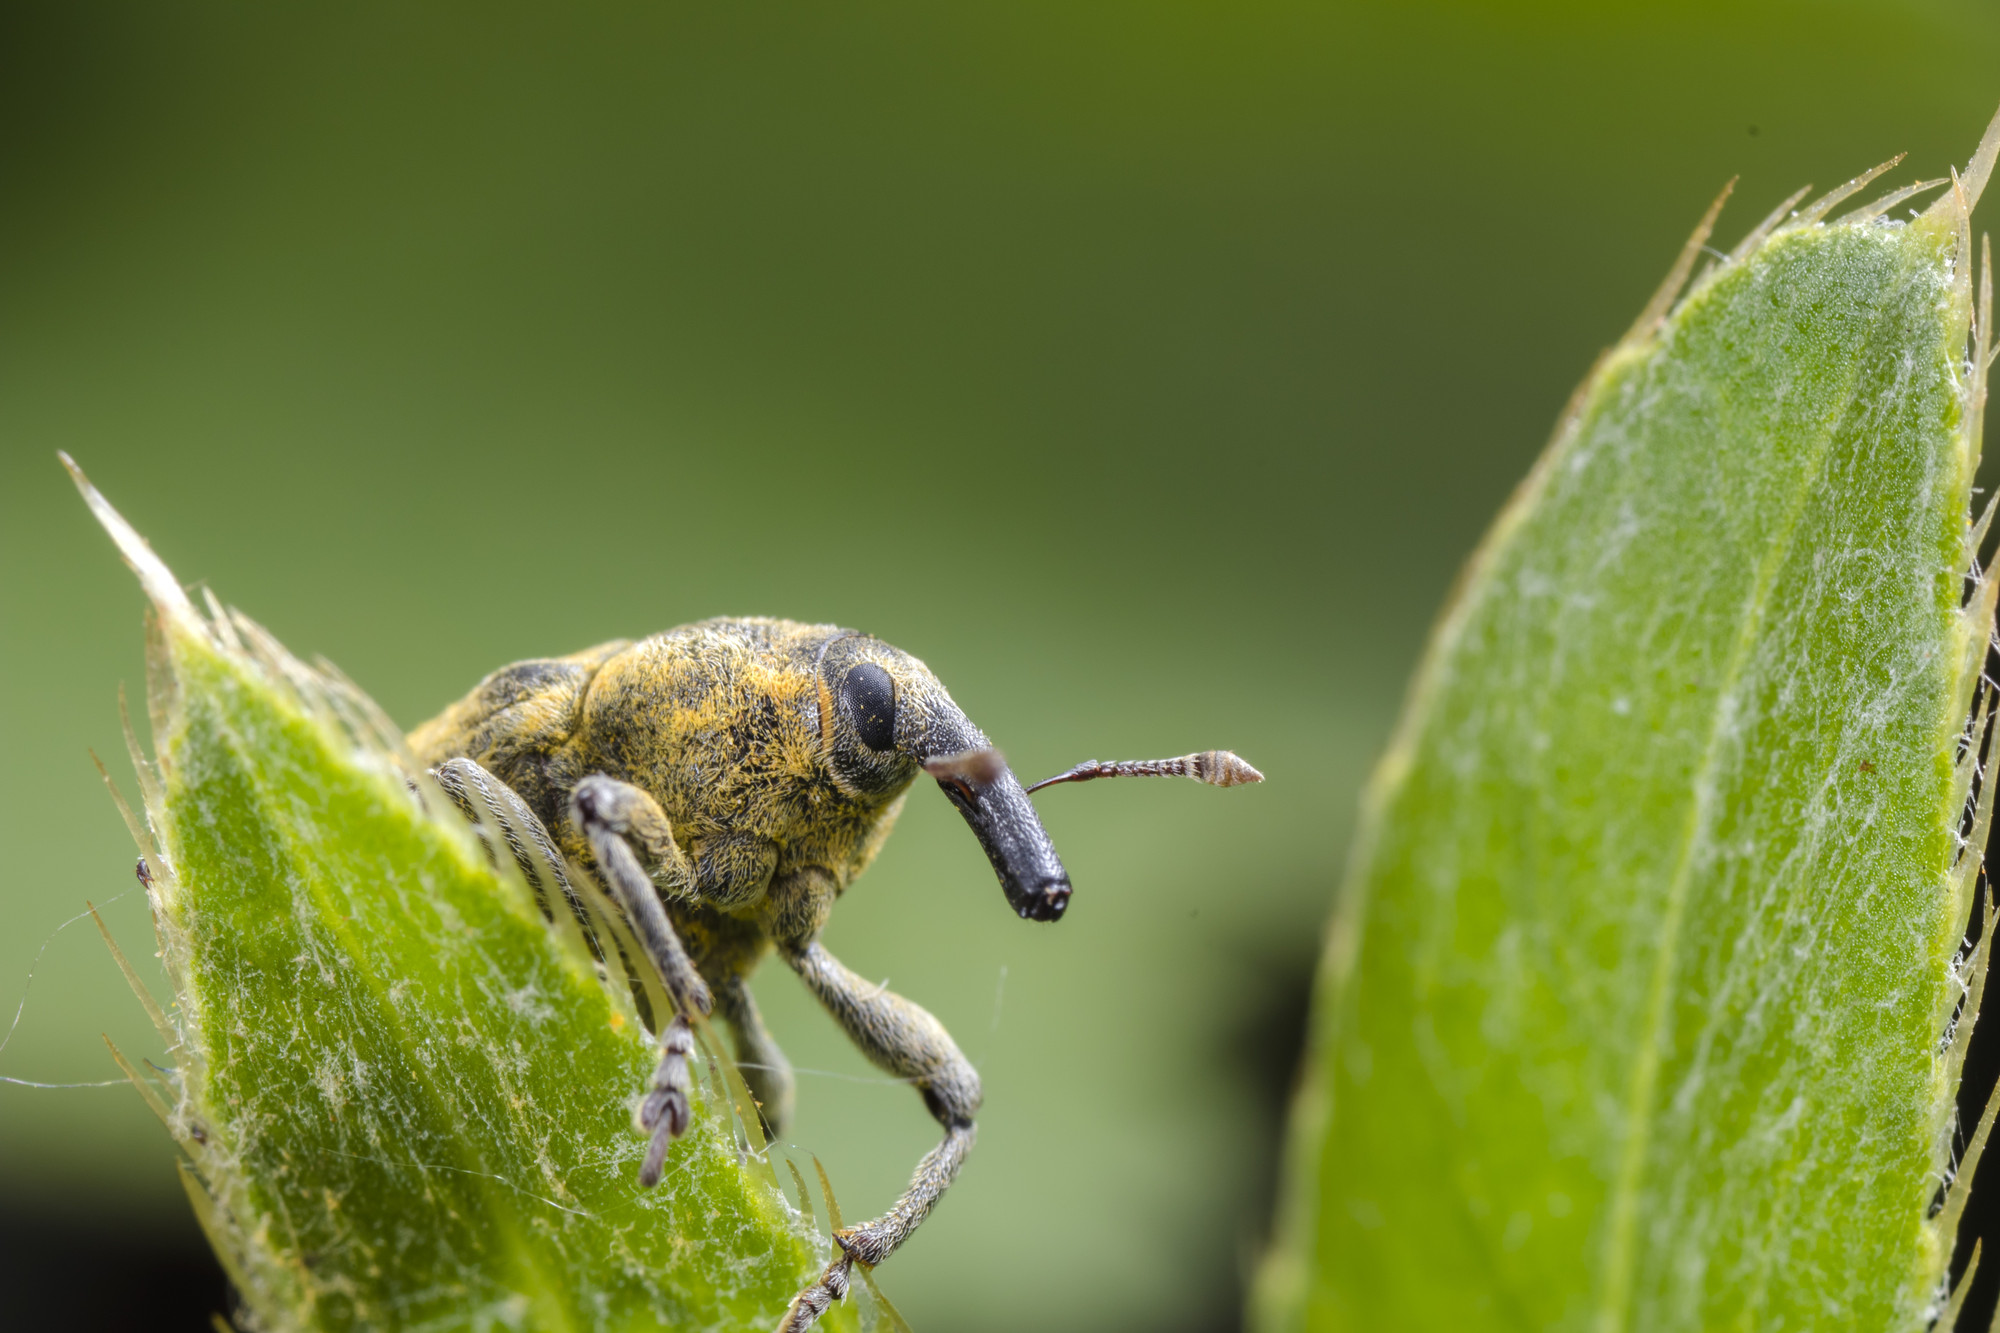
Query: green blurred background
x=1146 y=369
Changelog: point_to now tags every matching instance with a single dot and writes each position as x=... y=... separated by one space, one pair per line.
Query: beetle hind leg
x=907 y=1041
x=871 y=1242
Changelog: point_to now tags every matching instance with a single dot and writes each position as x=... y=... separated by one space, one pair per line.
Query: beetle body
x=720 y=722
x=727 y=781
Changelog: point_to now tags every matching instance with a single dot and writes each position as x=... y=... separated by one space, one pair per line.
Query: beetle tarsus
x=810 y=1304
x=665 y=1112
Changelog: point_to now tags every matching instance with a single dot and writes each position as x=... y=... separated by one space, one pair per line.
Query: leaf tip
x=1827 y=202
x=1677 y=276
x=154 y=576
x=1954 y=207
x=1980 y=169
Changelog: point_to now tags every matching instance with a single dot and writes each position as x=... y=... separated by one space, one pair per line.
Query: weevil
x=727 y=781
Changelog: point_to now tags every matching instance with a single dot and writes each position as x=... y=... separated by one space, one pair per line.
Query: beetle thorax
x=720 y=722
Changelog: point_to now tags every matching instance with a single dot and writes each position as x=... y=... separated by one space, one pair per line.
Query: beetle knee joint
x=953 y=1094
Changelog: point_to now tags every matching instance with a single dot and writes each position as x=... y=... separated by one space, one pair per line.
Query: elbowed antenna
x=1218 y=768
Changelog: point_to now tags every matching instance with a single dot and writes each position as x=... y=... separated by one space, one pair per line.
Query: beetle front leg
x=611 y=816
x=907 y=1041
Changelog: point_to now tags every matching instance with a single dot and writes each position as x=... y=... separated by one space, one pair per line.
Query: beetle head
x=884 y=716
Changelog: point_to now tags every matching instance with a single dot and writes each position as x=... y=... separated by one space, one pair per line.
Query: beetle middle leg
x=612 y=816
x=764 y=1066
x=907 y=1041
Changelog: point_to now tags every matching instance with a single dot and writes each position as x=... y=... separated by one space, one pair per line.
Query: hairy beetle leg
x=907 y=1041
x=810 y=1304
x=612 y=816
x=871 y=1242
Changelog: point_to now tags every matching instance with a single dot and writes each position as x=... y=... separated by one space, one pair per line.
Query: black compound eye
x=870 y=696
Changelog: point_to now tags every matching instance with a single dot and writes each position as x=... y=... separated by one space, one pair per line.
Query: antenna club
x=1222 y=768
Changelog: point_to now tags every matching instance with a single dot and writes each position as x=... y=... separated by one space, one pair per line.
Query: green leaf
x=404 y=1094
x=1638 y=1010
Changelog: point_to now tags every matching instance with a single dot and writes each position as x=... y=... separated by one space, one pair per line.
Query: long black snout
x=1005 y=822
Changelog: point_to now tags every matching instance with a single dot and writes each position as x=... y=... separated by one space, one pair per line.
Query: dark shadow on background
x=1981 y=1081
x=1982 y=1210
x=1265 y=1044
x=1258 y=1047
x=91 y=1276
